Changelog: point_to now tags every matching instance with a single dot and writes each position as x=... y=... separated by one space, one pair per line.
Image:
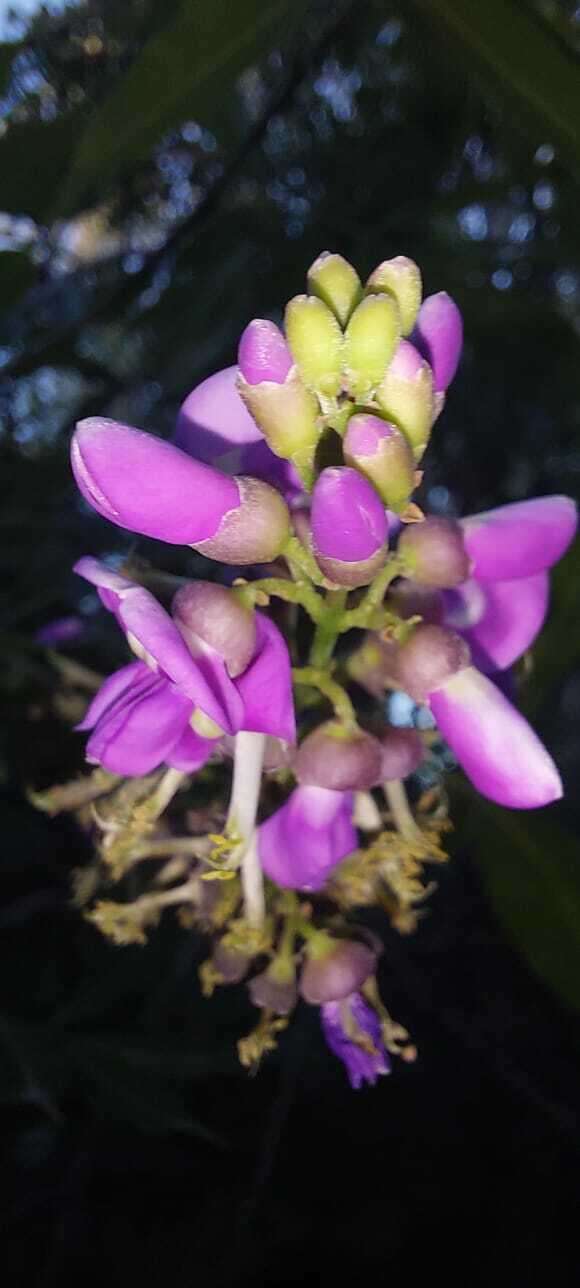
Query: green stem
x=328 y=628
x=317 y=679
x=363 y=614
x=297 y=554
x=291 y=591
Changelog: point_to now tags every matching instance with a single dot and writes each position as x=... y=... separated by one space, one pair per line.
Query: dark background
x=169 y=170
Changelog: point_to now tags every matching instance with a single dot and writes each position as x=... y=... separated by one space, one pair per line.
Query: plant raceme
x=294 y=471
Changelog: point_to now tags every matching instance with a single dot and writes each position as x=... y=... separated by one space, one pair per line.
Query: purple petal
x=348 y=517
x=499 y=619
x=263 y=353
x=519 y=540
x=496 y=747
x=439 y=337
x=124 y=680
x=146 y=485
x=341 y=1022
x=265 y=687
x=190 y=751
x=138 y=731
x=303 y=841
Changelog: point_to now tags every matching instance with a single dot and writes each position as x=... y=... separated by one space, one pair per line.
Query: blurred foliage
x=169 y=171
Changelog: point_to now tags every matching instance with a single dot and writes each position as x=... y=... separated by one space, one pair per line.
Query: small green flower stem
x=337 y=696
x=301 y=561
x=293 y=592
x=372 y=600
x=328 y=628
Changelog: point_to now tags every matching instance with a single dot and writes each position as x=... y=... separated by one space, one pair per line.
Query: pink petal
x=499 y=619
x=496 y=747
x=136 y=735
x=303 y=841
x=265 y=687
x=519 y=540
x=190 y=752
x=123 y=681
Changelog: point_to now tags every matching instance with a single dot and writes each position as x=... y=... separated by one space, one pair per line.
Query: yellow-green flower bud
x=406 y=396
x=369 y=343
x=315 y=339
x=287 y=415
x=381 y=452
x=402 y=278
x=336 y=283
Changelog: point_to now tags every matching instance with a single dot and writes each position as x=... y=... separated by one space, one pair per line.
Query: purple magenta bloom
x=519 y=540
x=350 y=528
x=304 y=840
x=215 y=427
x=263 y=353
x=353 y=1033
x=499 y=619
x=495 y=746
x=438 y=335
x=133 y=718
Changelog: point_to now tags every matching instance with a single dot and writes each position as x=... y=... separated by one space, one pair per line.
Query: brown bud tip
x=428 y=658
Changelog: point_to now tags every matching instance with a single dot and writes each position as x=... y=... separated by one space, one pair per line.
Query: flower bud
x=439 y=337
x=428 y=658
x=336 y=283
x=315 y=339
x=349 y=527
x=406 y=396
x=214 y=615
x=403 y=752
x=434 y=553
x=402 y=278
x=287 y=416
x=256 y=531
x=334 y=968
x=381 y=452
x=263 y=353
x=412 y=599
x=230 y=963
x=275 y=988
x=373 y=665
x=338 y=758
x=369 y=343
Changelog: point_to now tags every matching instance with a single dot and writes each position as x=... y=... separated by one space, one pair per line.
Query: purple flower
x=499 y=619
x=215 y=427
x=303 y=841
x=438 y=335
x=353 y=1033
x=147 y=713
x=350 y=528
x=519 y=540
x=152 y=487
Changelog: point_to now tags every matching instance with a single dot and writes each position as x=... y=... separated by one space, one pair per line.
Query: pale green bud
x=287 y=416
x=369 y=343
x=402 y=278
x=381 y=452
x=336 y=283
x=315 y=340
x=406 y=396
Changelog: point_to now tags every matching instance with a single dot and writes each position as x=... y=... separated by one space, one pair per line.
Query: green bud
x=402 y=278
x=288 y=418
x=315 y=339
x=381 y=452
x=336 y=283
x=369 y=343
x=406 y=396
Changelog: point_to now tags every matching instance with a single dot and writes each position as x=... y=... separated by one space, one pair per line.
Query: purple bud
x=231 y=964
x=255 y=532
x=349 y=527
x=263 y=353
x=403 y=752
x=406 y=396
x=334 y=969
x=275 y=988
x=381 y=452
x=214 y=615
x=434 y=553
x=410 y=599
x=439 y=337
x=428 y=658
x=338 y=758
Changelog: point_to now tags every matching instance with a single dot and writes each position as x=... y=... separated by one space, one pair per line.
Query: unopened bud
x=373 y=665
x=433 y=553
x=402 y=278
x=430 y=657
x=369 y=343
x=275 y=989
x=350 y=529
x=287 y=416
x=337 y=283
x=315 y=339
x=381 y=452
x=338 y=758
x=263 y=353
x=412 y=599
x=210 y=614
x=256 y=531
x=334 y=968
x=403 y=752
x=229 y=963
x=406 y=396
x=439 y=337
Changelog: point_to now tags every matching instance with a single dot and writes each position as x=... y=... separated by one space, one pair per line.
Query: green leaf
x=529 y=61
x=188 y=69
x=530 y=865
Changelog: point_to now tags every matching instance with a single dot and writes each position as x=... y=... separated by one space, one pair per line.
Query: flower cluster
x=296 y=468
